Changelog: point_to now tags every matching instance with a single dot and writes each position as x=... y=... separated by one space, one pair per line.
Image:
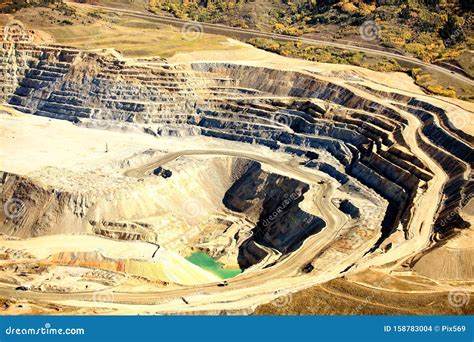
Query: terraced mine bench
x=378 y=156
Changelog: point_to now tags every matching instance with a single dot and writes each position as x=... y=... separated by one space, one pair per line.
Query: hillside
x=438 y=32
x=431 y=30
x=434 y=31
x=144 y=163
x=422 y=27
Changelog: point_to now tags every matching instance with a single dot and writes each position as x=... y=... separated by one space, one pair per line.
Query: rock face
x=297 y=113
x=272 y=201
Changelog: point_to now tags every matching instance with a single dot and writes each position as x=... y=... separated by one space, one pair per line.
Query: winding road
x=263 y=285
x=251 y=33
x=257 y=286
x=247 y=289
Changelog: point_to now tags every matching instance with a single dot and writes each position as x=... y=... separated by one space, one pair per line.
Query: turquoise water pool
x=210 y=264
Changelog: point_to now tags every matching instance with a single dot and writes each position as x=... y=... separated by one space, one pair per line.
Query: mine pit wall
x=423 y=106
x=455 y=157
x=272 y=201
x=72 y=85
x=430 y=110
x=294 y=84
x=52 y=211
x=457 y=160
x=120 y=212
x=456 y=189
x=13 y=64
x=43 y=210
x=399 y=186
x=442 y=138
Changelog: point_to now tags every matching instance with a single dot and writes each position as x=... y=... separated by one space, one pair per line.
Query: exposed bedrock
x=43 y=210
x=295 y=112
x=118 y=206
x=241 y=215
x=349 y=208
x=272 y=201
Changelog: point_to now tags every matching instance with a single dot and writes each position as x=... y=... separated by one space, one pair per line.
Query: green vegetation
x=210 y=264
x=15 y=5
x=431 y=30
x=326 y=54
x=212 y=11
x=425 y=81
x=91 y=29
x=430 y=83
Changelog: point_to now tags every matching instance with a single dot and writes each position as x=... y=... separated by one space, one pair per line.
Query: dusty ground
x=95 y=29
x=344 y=297
x=45 y=143
x=84 y=151
x=63 y=156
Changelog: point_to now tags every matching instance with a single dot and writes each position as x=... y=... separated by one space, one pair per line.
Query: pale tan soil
x=13 y=306
x=77 y=249
x=453 y=259
x=25 y=149
x=83 y=151
x=137 y=256
x=343 y=297
x=101 y=30
x=70 y=158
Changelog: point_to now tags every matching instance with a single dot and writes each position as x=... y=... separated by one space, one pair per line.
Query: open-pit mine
x=153 y=186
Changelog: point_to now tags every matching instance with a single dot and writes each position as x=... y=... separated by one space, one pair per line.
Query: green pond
x=210 y=264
